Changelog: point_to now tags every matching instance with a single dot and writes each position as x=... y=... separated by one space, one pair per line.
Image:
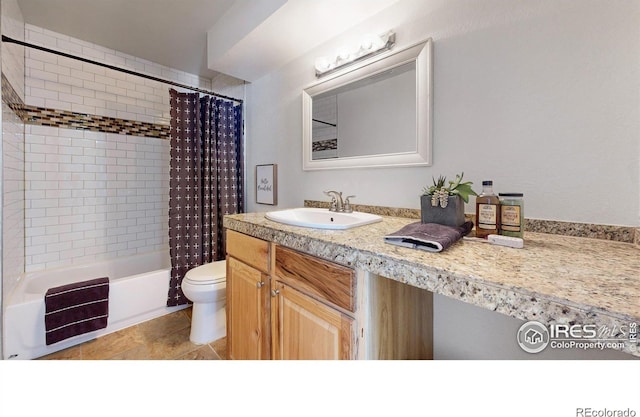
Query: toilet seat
x=207 y=274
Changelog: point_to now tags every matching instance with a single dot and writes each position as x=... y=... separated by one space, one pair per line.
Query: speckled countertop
x=554 y=279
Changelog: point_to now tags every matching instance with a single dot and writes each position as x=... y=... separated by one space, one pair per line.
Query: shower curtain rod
x=149 y=77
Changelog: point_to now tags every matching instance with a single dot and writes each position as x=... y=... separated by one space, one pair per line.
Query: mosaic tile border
x=81 y=121
x=595 y=231
x=324 y=145
x=12 y=98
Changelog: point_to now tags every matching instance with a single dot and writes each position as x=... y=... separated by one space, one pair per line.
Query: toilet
x=205 y=287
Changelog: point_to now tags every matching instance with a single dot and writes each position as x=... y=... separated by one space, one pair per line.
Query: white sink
x=318 y=218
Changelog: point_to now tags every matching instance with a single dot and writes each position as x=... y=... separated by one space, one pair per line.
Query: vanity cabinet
x=248 y=300
x=312 y=309
x=304 y=328
x=283 y=304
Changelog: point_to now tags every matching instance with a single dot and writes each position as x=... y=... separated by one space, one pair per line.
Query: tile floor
x=164 y=338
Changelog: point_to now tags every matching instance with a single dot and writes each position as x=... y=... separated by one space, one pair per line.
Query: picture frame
x=267 y=184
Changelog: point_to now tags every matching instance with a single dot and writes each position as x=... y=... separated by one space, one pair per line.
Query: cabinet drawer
x=319 y=278
x=251 y=251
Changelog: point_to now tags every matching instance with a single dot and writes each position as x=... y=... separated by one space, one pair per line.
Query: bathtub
x=138 y=292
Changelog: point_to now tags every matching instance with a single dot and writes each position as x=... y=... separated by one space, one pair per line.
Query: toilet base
x=208 y=322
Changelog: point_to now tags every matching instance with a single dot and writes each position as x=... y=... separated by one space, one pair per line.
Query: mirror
x=373 y=114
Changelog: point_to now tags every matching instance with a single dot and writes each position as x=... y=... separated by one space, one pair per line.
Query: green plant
x=440 y=193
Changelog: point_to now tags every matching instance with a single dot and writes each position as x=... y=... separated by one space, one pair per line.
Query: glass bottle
x=512 y=214
x=487 y=209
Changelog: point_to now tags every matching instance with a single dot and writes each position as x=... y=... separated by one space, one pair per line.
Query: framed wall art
x=267 y=184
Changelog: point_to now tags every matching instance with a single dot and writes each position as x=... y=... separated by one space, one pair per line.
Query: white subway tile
x=94 y=69
x=57 y=69
x=82 y=75
x=93 y=53
x=33 y=64
x=72 y=253
x=42 y=93
x=73 y=81
x=95 y=86
x=58 y=247
x=36 y=250
x=81 y=108
x=84 y=243
x=44 y=221
x=70 y=98
x=126 y=115
x=56 y=86
x=34 y=101
x=69 y=63
x=83 y=226
x=69 y=46
x=83 y=92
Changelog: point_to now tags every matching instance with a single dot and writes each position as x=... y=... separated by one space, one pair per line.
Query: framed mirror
x=376 y=113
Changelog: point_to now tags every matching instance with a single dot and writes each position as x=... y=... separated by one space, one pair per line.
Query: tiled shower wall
x=12 y=25
x=92 y=195
x=13 y=259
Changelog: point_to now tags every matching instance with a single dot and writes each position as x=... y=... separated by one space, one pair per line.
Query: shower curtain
x=206 y=181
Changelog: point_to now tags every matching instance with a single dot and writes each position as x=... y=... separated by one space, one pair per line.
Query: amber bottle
x=487 y=210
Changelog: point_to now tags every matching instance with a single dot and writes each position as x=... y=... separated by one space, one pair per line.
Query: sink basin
x=318 y=218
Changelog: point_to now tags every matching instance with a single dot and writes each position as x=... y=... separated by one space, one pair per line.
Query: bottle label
x=487 y=216
x=510 y=218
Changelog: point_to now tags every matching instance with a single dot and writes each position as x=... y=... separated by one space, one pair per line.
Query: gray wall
x=539 y=96
x=542 y=97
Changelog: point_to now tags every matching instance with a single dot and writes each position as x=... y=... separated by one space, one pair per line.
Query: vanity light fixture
x=369 y=46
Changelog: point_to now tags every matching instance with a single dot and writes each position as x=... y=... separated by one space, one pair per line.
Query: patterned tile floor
x=164 y=338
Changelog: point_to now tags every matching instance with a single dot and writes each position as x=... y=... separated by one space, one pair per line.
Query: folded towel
x=76 y=308
x=431 y=237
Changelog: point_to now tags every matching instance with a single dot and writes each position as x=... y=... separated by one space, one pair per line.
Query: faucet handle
x=347 y=204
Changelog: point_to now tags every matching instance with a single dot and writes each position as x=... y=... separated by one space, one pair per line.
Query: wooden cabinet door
x=247 y=312
x=304 y=328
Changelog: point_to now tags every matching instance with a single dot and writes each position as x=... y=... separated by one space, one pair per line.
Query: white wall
x=543 y=97
x=540 y=96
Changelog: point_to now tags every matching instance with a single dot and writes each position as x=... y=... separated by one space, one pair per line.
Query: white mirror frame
x=421 y=53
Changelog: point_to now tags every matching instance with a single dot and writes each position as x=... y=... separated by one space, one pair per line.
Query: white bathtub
x=137 y=293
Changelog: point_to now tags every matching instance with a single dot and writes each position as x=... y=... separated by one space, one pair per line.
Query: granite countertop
x=553 y=279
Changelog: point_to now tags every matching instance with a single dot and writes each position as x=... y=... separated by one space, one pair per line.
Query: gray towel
x=430 y=237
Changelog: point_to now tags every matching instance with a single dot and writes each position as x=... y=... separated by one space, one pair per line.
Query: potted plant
x=444 y=204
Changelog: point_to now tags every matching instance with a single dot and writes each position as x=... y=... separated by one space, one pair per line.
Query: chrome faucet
x=336 y=200
x=337 y=203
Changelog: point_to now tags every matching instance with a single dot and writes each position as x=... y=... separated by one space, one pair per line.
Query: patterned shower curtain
x=206 y=181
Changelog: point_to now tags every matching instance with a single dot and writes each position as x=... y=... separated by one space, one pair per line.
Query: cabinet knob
x=260 y=284
x=275 y=292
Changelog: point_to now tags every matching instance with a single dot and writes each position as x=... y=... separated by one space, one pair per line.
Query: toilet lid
x=207 y=274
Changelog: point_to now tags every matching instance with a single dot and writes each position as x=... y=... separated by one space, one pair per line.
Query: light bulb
x=323 y=63
x=367 y=42
x=343 y=53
